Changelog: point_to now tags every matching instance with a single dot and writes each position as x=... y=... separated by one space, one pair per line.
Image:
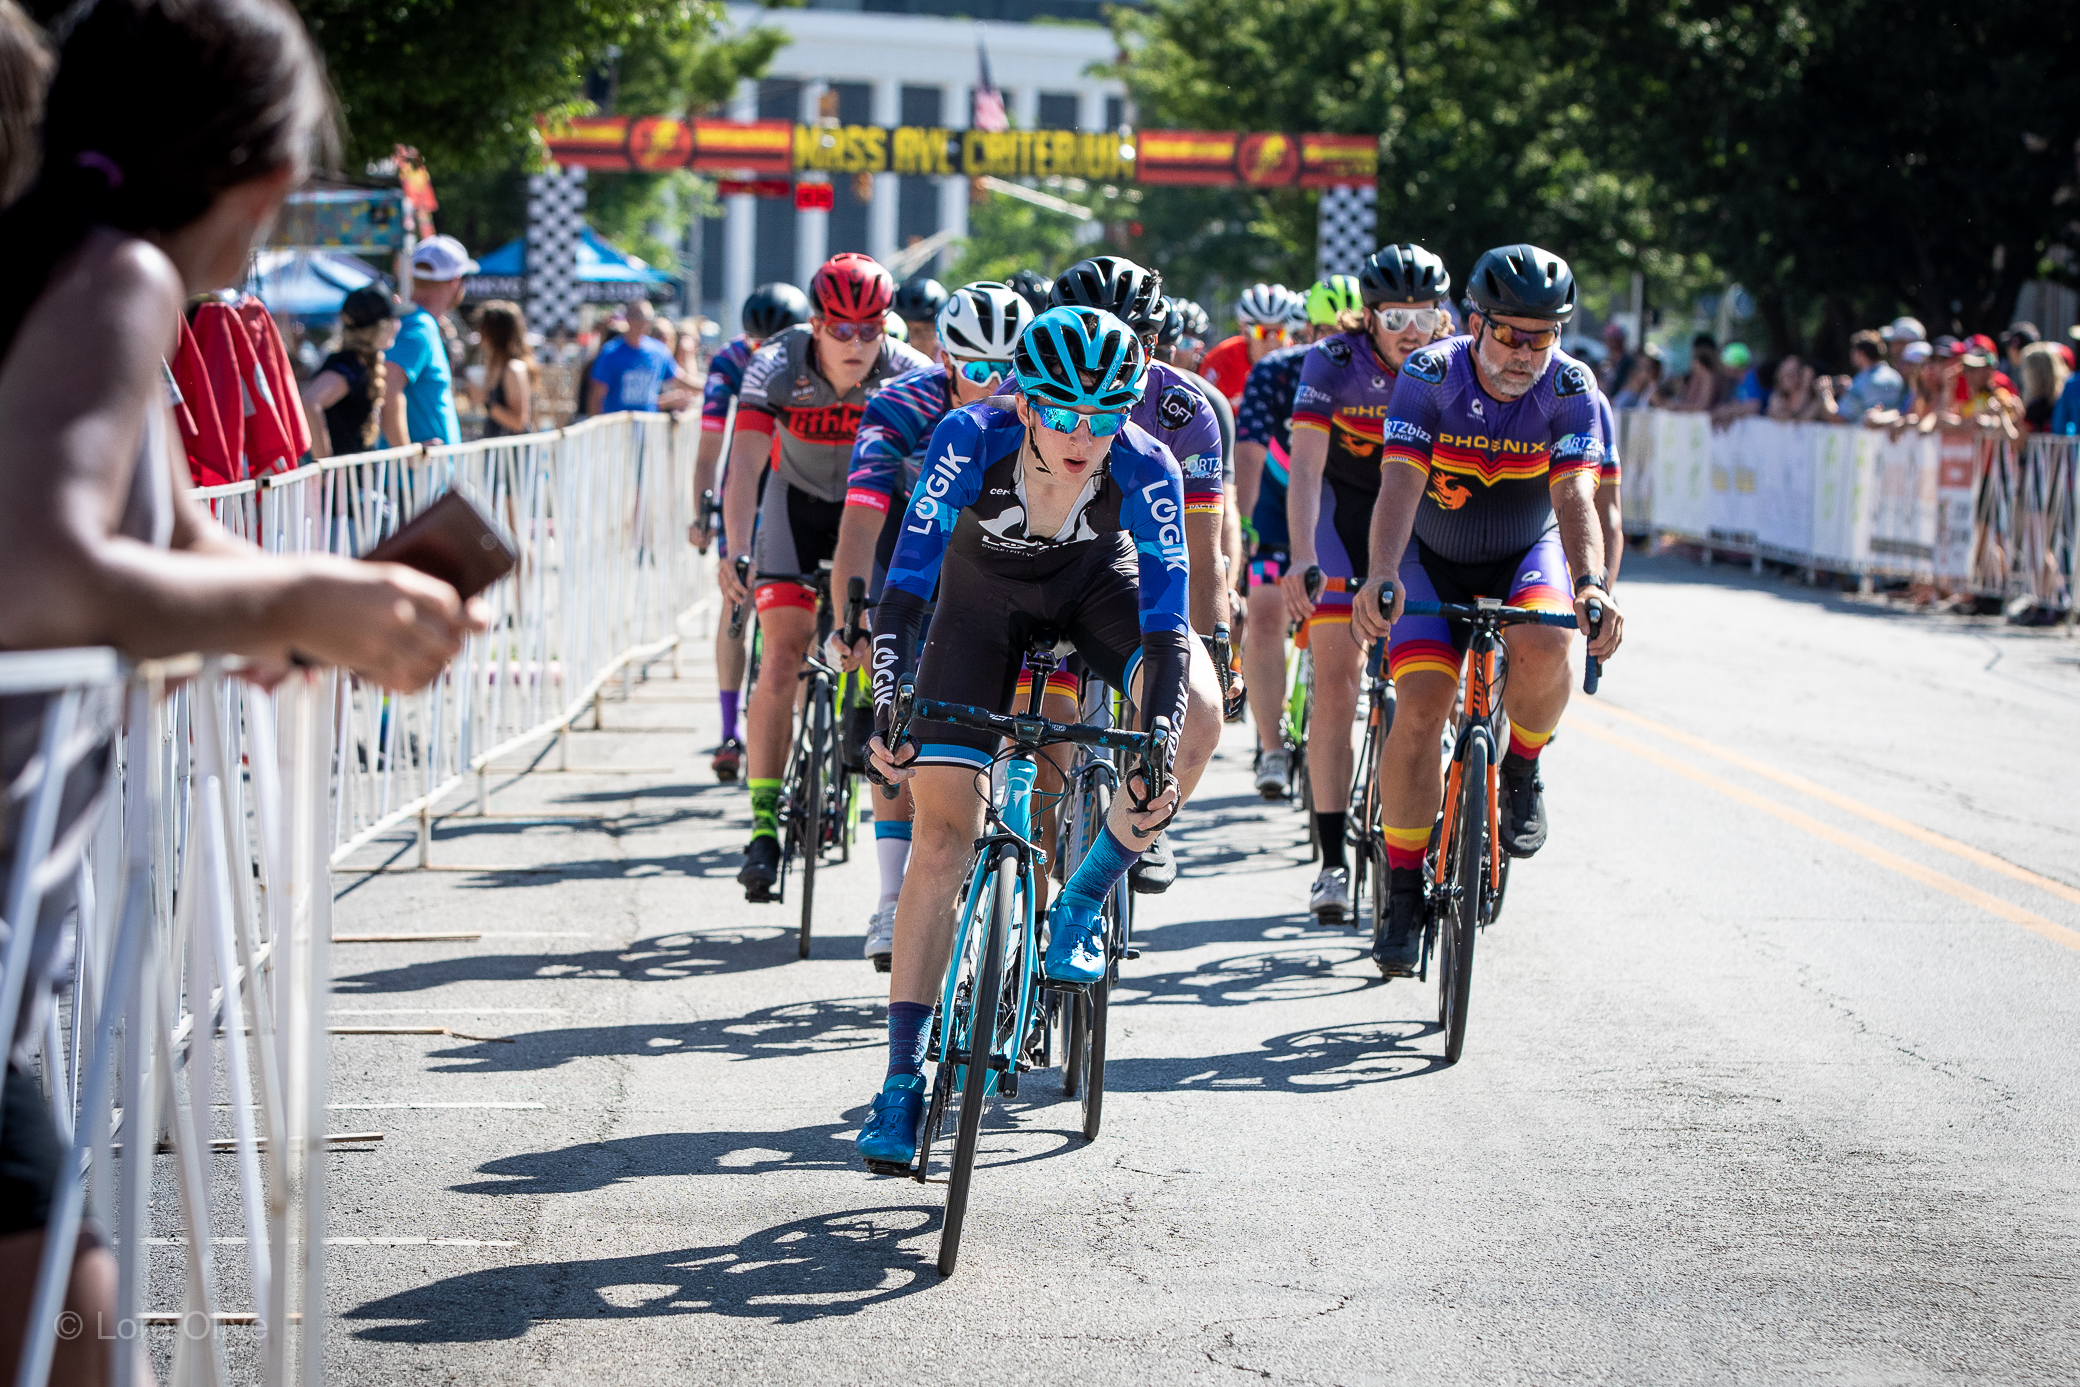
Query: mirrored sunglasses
x=983 y=372
x=1064 y=420
x=852 y=332
x=1402 y=319
x=1519 y=339
x=1261 y=331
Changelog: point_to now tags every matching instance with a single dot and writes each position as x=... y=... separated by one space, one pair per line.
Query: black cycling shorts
x=981 y=626
x=797 y=533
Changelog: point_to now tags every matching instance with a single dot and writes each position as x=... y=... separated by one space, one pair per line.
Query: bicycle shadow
x=1303 y=973
x=819 y=1267
x=590 y=1166
x=1323 y=1059
x=785 y=1031
x=670 y=957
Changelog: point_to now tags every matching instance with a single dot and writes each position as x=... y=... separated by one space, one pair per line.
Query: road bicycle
x=818 y=806
x=1464 y=869
x=1361 y=821
x=996 y=1014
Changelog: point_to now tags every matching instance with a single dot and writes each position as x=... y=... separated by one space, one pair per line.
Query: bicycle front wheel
x=812 y=810
x=977 y=1052
x=1461 y=923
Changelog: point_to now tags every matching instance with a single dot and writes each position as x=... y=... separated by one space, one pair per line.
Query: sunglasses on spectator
x=1261 y=331
x=1064 y=420
x=983 y=372
x=1402 y=319
x=1518 y=339
x=853 y=332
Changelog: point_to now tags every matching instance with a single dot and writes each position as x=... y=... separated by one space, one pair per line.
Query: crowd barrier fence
x=195 y=999
x=1965 y=509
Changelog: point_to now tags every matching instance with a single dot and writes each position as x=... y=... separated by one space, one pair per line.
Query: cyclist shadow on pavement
x=671 y=957
x=1324 y=1059
x=825 y=1266
x=788 y=1030
x=596 y=1165
x=1237 y=833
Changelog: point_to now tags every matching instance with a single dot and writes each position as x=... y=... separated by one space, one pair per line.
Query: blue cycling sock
x=907 y=1023
x=1100 y=870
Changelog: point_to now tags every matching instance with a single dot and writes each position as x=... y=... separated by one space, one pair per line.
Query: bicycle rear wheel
x=976 y=1051
x=811 y=809
x=1460 y=924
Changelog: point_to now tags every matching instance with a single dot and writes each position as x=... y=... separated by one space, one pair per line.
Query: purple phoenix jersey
x=1490 y=463
x=725 y=379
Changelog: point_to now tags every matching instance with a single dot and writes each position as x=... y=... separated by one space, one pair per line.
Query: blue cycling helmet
x=1084 y=358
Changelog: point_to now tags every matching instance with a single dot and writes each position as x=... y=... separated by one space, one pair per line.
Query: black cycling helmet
x=1035 y=288
x=1402 y=274
x=1173 y=323
x=1119 y=286
x=1196 y=322
x=920 y=300
x=773 y=308
x=1522 y=281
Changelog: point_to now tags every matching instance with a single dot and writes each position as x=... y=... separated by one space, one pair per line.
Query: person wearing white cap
x=420 y=390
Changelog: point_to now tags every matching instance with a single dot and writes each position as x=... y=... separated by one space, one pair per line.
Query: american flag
x=989 y=102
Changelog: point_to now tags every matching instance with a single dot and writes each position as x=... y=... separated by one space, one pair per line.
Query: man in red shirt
x=1263 y=312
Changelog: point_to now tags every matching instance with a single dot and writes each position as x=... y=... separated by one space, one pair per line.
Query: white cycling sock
x=892 y=846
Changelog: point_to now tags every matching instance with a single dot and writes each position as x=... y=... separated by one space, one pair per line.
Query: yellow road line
x=1975 y=856
x=1948 y=885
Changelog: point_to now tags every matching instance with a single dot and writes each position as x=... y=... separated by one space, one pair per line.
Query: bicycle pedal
x=898 y=1168
x=1073 y=989
x=882 y=962
x=1131 y=954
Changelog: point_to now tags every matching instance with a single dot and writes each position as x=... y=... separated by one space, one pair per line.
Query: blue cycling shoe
x=889 y=1138
x=1075 y=944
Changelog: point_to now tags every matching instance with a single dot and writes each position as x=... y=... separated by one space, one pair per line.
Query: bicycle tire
x=1079 y=835
x=1470 y=854
x=1073 y=1043
x=982 y=1036
x=811 y=814
x=1097 y=1000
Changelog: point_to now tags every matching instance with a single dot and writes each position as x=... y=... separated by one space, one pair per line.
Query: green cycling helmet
x=1332 y=297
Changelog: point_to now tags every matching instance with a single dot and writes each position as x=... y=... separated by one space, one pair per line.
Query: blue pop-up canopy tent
x=608 y=275
x=308 y=283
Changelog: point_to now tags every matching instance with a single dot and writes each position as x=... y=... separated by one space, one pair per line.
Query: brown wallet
x=451 y=540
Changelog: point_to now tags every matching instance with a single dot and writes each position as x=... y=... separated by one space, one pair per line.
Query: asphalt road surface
x=1772 y=1074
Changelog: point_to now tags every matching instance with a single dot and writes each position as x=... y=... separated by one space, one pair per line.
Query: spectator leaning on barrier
x=420 y=407
x=2043 y=371
x=1618 y=363
x=631 y=371
x=1703 y=385
x=2019 y=338
x=344 y=400
x=1875 y=386
x=2065 y=415
x=1744 y=389
x=172 y=134
x=1987 y=400
x=1637 y=389
x=1900 y=333
x=1801 y=393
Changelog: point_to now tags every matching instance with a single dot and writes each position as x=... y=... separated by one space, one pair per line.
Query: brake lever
x=898 y=732
x=736 y=611
x=1592 y=674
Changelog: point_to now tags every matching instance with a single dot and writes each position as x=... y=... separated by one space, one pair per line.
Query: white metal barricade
x=196 y=985
x=599 y=513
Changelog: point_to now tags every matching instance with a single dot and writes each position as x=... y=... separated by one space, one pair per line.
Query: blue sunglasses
x=1064 y=420
x=983 y=372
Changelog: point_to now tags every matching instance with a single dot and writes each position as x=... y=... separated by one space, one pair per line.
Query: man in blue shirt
x=630 y=372
x=419 y=403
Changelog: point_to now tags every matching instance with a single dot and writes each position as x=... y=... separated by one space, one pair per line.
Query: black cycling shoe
x=1400 y=951
x=1524 y=816
x=761 y=868
x=1153 y=871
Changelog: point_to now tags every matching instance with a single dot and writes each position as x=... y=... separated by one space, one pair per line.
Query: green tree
x=1482 y=139
x=1847 y=161
x=1006 y=234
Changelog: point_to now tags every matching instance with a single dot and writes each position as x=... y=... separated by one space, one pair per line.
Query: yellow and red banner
x=1261 y=159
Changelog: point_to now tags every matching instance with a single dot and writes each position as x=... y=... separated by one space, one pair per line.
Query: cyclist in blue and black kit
x=770 y=310
x=1263 y=441
x=1493 y=452
x=1049 y=509
x=977 y=329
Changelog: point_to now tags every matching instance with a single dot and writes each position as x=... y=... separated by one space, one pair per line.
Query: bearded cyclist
x=770 y=310
x=1263 y=441
x=807 y=388
x=977 y=329
x=1333 y=478
x=1493 y=450
x=1047 y=509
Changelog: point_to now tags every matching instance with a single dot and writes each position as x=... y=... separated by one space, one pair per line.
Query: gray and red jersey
x=785 y=393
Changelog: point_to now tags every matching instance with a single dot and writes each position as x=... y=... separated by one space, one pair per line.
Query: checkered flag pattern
x=1346 y=228
x=555 y=220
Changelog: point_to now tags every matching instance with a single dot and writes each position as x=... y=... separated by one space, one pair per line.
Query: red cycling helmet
x=852 y=288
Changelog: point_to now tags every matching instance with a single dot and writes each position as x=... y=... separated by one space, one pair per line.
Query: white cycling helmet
x=982 y=321
x=1269 y=304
